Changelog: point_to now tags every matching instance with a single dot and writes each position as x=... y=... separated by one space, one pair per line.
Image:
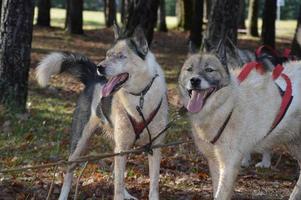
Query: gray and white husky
x=229 y=119
x=134 y=79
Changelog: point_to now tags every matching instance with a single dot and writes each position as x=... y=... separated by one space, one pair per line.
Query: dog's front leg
x=214 y=172
x=119 y=169
x=154 y=173
x=228 y=171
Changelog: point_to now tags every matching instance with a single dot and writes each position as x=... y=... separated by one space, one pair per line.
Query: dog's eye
x=189 y=69
x=121 y=56
x=209 y=70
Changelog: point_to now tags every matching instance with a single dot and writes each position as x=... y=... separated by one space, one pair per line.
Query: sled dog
x=229 y=117
x=128 y=77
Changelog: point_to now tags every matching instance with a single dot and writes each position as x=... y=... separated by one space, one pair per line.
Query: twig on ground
x=78 y=179
x=52 y=183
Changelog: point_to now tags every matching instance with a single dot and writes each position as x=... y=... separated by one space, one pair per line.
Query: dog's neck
x=152 y=78
x=216 y=108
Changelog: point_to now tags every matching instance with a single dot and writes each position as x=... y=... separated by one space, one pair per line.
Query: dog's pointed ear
x=140 y=42
x=192 y=49
x=221 y=53
x=116 y=30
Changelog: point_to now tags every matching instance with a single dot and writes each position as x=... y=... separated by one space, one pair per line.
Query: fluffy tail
x=75 y=64
x=299 y=36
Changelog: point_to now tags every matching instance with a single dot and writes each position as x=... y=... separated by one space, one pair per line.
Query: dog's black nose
x=195 y=82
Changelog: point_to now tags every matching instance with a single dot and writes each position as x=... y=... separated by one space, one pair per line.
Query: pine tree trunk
x=253 y=18
x=224 y=15
x=75 y=17
x=145 y=15
x=67 y=7
x=242 y=16
x=184 y=14
x=109 y=12
x=197 y=23
x=15 y=48
x=268 y=24
x=123 y=11
x=44 y=13
x=296 y=49
x=208 y=8
x=162 y=17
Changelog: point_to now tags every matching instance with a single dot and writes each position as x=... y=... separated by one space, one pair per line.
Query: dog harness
x=140 y=126
x=286 y=95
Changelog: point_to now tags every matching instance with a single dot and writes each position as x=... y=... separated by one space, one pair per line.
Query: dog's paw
x=128 y=196
x=245 y=161
x=264 y=164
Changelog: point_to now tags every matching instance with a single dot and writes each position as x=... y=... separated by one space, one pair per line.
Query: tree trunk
x=197 y=23
x=184 y=14
x=162 y=17
x=15 y=47
x=123 y=11
x=75 y=17
x=109 y=12
x=208 y=8
x=0 y=9
x=253 y=18
x=44 y=13
x=296 y=49
x=67 y=6
x=268 y=24
x=224 y=16
x=242 y=15
x=143 y=13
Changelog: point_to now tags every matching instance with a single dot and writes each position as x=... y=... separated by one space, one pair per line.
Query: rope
x=94 y=157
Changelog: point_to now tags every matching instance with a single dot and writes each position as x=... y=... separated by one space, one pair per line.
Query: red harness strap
x=140 y=126
x=286 y=95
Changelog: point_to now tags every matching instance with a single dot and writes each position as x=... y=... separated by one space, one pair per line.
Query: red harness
x=140 y=126
x=286 y=95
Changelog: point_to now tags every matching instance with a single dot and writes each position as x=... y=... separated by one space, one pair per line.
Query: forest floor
x=42 y=135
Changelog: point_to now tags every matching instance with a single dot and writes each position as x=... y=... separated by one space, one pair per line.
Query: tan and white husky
x=230 y=119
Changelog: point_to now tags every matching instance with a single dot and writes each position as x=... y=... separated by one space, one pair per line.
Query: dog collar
x=144 y=91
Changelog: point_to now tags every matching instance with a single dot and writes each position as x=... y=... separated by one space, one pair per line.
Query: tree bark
x=109 y=12
x=268 y=24
x=242 y=15
x=144 y=14
x=44 y=13
x=208 y=8
x=0 y=9
x=197 y=23
x=75 y=17
x=67 y=7
x=296 y=49
x=253 y=18
x=224 y=16
x=184 y=14
x=15 y=48
x=162 y=17
x=123 y=11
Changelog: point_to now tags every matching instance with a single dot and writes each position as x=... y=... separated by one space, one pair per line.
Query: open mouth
x=114 y=84
x=198 y=99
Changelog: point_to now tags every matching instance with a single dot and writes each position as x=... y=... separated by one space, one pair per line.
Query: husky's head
x=125 y=61
x=201 y=76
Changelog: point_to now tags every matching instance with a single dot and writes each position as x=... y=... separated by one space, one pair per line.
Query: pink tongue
x=109 y=86
x=195 y=103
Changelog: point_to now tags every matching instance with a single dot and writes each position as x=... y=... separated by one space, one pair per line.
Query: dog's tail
x=77 y=65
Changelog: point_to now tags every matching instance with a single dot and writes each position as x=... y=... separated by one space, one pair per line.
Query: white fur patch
x=50 y=65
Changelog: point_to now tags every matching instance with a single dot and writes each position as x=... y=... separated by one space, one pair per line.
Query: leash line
x=95 y=157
